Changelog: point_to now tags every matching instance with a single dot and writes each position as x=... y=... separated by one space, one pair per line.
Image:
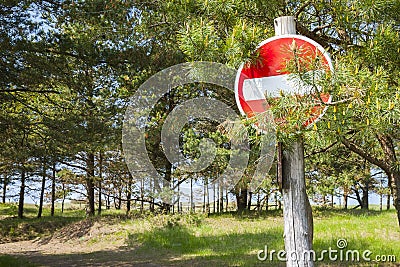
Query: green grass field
x=219 y=240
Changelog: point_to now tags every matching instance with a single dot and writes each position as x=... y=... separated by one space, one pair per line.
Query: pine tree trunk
x=213 y=197
x=359 y=200
x=389 y=149
x=364 y=199
x=395 y=182
x=53 y=190
x=221 y=197
x=241 y=200
x=129 y=194
x=217 y=197
x=178 y=199
x=208 y=198
x=90 y=184
x=100 y=180
x=4 y=188
x=345 y=198
x=267 y=203
x=191 y=196
x=166 y=205
x=117 y=200
x=21 y=194
x=39 y=215
x=204 y=195
x=226 y=200
x=128 y=201
x=63 y=199
x=249 y=201
x=142 y=195
x=387 y=144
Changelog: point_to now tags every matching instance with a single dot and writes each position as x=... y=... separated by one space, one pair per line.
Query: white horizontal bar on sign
x=258 y=88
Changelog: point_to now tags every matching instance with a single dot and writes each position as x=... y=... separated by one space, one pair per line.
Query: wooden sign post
x=269 y=78
x=297 y=213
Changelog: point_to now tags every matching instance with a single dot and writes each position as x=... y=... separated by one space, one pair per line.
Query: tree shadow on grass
x=240 y=249
x=330 y=212
x=182 y=246
x=249 y=214
x=182 y=240
x=173 y=246
x=8 y=209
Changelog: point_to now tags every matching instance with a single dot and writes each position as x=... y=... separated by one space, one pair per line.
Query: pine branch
x=356 y=149
x=301 y=9
x=74 y=165
x=24 y=89
x=321 y=151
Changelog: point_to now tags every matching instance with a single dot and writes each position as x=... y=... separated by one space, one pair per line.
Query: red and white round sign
x=269 y=76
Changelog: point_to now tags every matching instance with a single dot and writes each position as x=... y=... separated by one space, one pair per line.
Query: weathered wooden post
x=267 y=79
x=298 y=228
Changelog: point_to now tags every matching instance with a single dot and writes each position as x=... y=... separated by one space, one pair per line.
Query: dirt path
x=65 y=254
x=85 y=243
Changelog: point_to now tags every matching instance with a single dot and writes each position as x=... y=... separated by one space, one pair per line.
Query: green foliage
x=68 y=70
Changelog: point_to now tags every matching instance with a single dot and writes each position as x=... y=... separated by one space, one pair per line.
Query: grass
x=30 y=227
x=235 y=241
x=9 y=261
x=13 y=228
x=363 y=230
x=220 y=240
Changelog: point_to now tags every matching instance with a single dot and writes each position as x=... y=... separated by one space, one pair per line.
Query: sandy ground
x=81 y=244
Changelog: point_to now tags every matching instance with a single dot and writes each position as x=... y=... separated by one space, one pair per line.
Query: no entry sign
x=269 y=76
